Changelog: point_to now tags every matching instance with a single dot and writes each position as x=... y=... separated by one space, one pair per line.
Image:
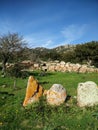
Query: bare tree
x=10 y=45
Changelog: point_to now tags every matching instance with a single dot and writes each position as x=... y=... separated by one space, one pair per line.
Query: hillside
x=79 y=53
x=64 y=48
x=56 y=49
x=74 y=53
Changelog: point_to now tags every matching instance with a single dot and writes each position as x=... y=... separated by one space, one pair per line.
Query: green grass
x=41 y=116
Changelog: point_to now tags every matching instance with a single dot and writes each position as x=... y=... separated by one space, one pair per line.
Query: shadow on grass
x=40 y=73
x=44 y=82
x=68 y=98
x=6 y=93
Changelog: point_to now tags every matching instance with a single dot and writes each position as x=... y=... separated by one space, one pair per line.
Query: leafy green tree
x=87 y=52
x=17 y=71
x=68 y=56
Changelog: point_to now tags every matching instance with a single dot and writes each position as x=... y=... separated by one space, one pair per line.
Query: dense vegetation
x=81 y=53
x=86 y=53
x=41 y=116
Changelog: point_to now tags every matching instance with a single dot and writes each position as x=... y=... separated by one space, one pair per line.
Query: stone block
x=56 y=95
x=87 y=94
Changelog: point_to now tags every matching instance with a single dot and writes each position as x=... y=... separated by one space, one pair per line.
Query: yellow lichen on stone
x=33 y=92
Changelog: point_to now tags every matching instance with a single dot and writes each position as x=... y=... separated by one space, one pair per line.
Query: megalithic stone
x=56 y=95
x=87 y=94
x=33 y=92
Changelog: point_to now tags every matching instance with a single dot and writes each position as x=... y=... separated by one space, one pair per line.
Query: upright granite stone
x=87 y=94
x=33 y=92
x=56 y=95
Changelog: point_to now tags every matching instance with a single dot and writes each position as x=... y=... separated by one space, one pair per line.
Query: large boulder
x=33 y=92
x=87 y=94
x=56 y=95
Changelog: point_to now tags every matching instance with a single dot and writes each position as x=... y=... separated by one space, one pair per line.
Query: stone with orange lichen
x=33 y=92
x=56 y=95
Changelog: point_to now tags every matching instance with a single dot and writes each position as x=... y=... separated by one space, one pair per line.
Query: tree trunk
x=4 y=66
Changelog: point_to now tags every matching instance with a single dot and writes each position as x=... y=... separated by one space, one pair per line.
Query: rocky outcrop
x=87 y=94
x=56 y=95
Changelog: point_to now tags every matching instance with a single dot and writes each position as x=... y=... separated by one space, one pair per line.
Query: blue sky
x=50 y=23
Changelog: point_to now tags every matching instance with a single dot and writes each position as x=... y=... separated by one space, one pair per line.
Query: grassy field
x=41 y=116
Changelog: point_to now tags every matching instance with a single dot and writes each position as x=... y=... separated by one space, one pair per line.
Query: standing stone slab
x=87 y=94
x=56 y=95
x=33 y=92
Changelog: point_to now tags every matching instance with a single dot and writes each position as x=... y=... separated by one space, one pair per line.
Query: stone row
x=87 y=93
x=65 y=67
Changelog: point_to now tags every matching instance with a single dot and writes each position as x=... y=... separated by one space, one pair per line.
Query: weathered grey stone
x=87 y=94
x=56 y=95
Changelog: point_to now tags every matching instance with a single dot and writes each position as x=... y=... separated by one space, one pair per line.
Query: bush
x=17 y=71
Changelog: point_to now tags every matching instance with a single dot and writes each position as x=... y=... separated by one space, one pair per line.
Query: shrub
x=17 y=71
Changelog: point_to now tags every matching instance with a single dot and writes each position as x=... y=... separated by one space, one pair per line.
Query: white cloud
x=45 y=37
x=73 y=32
x=70 y=34
x=35 y=41
x=48 y=43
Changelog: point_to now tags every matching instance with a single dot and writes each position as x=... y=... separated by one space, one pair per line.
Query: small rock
x=3 y=76
x=3 y=97
x=75 y=97
x=4 y=86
